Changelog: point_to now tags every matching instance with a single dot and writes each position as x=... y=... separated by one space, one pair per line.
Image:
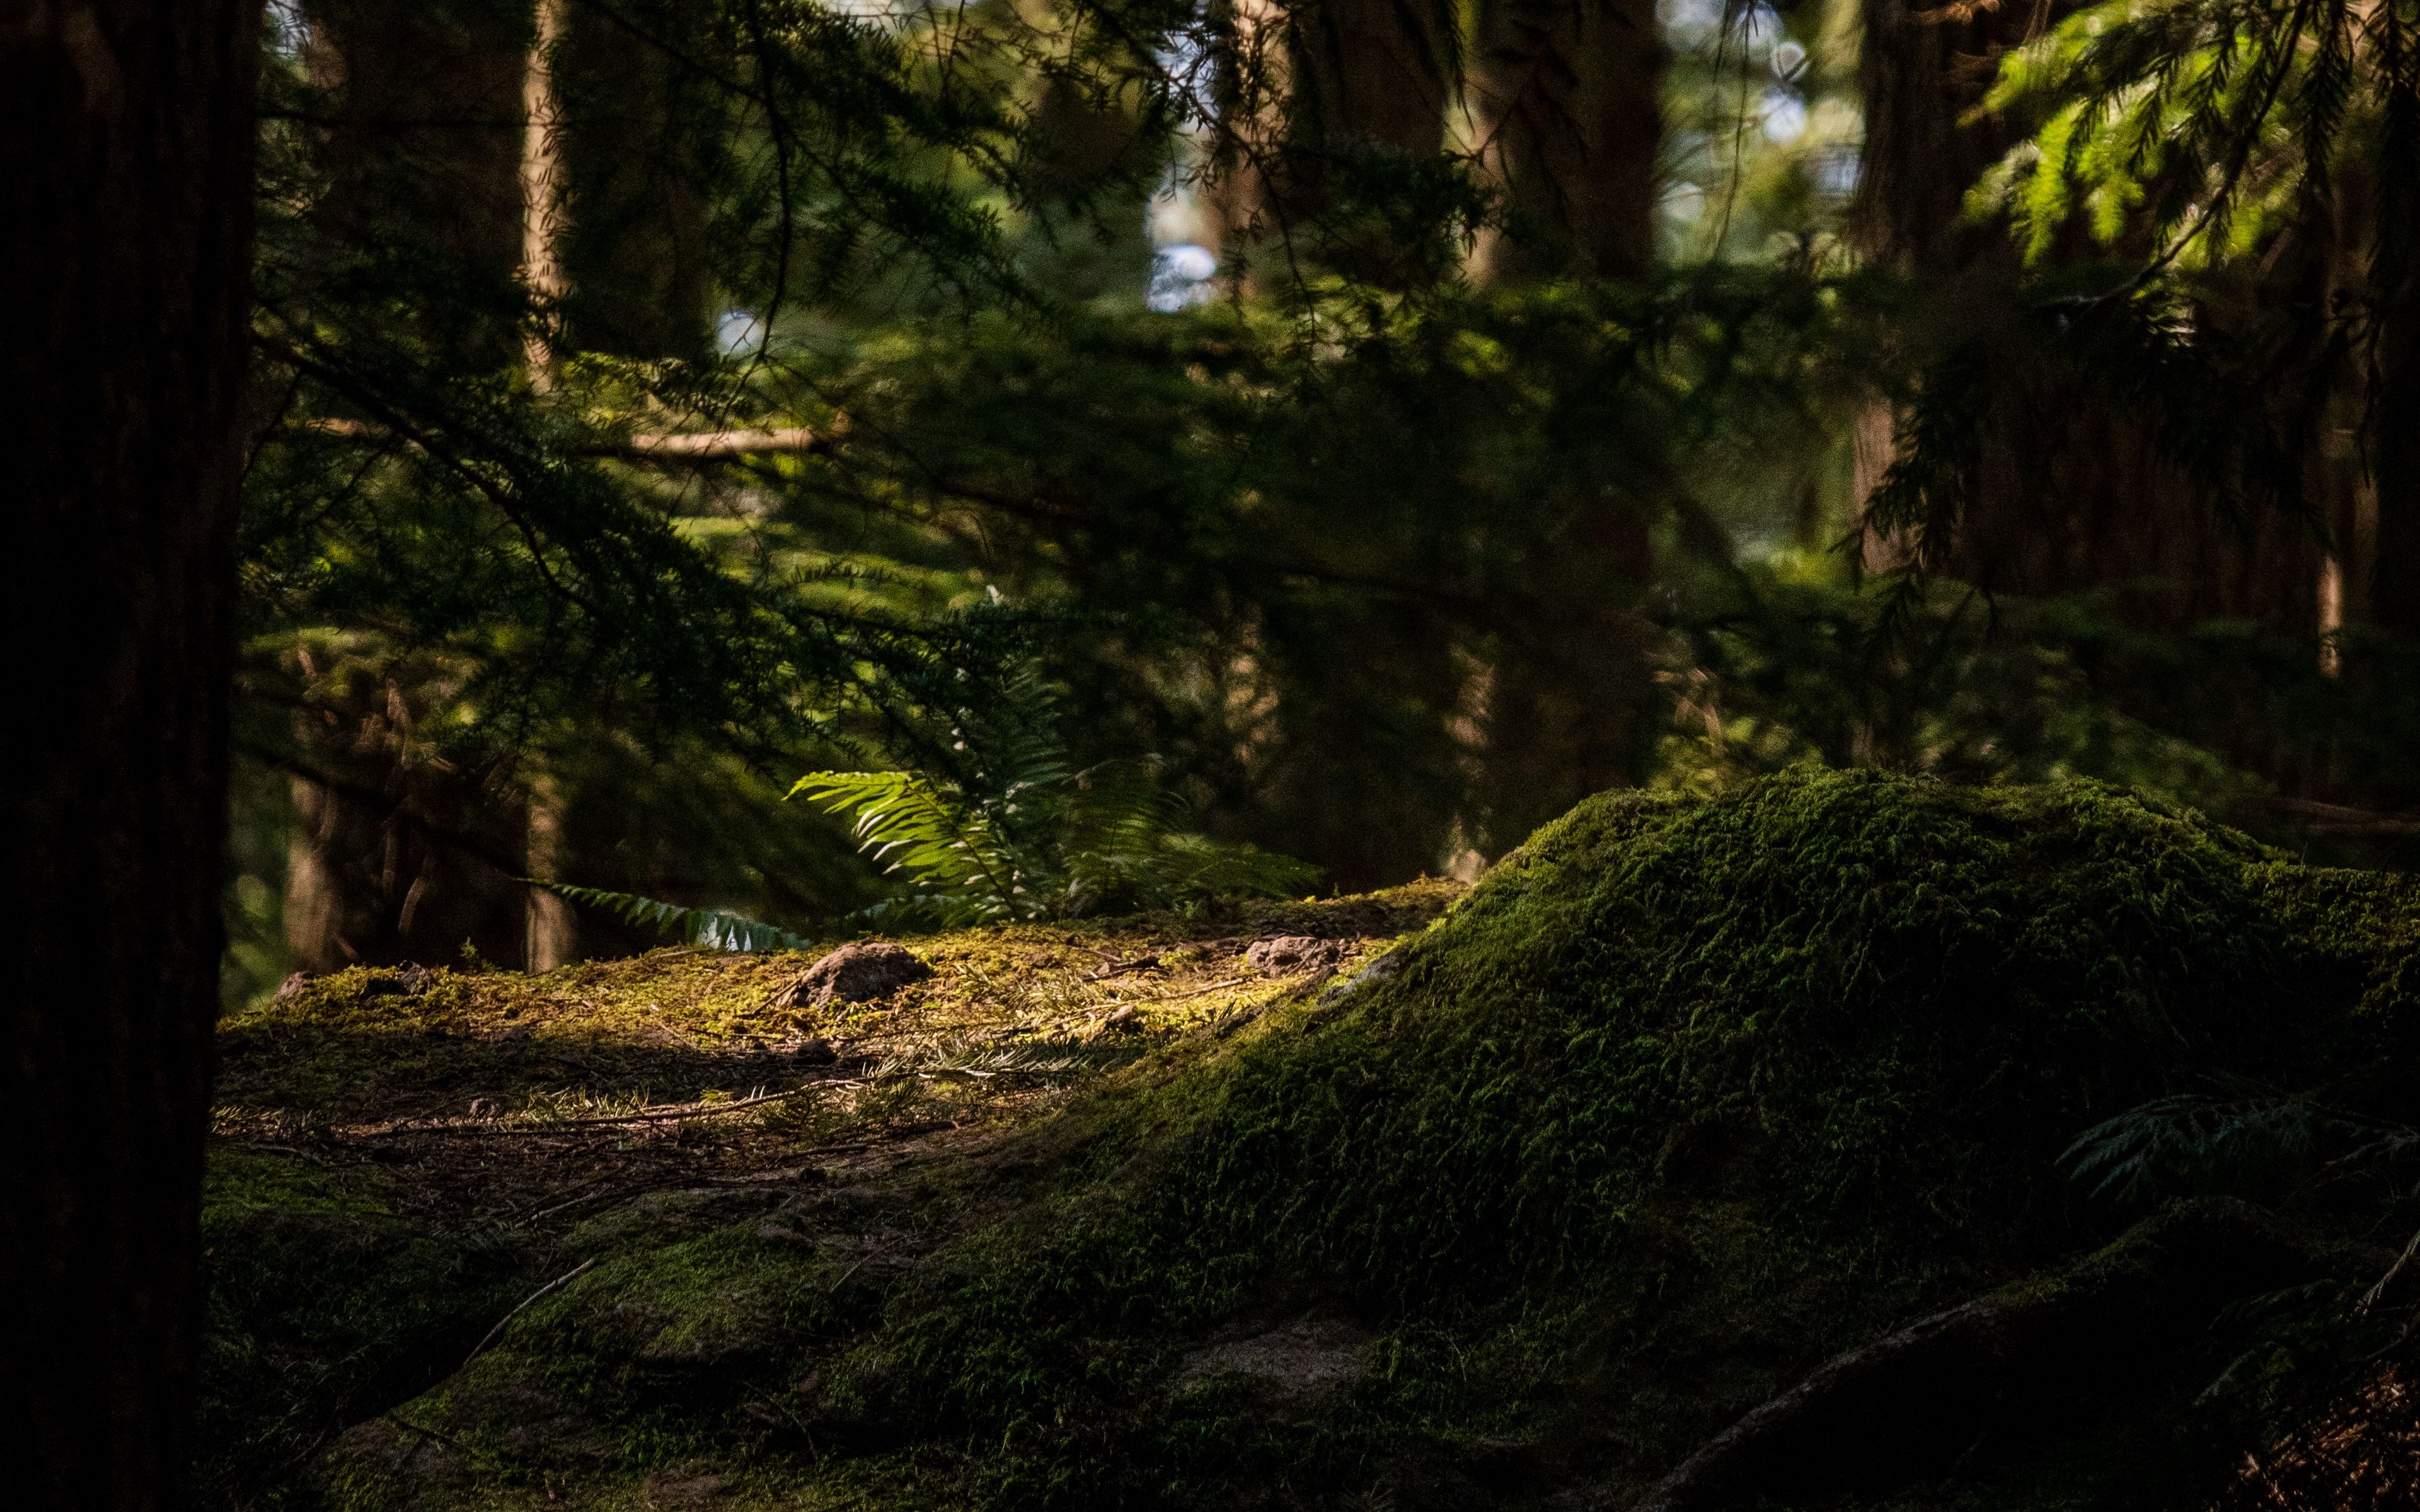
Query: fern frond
x=951 y=850
x=1025 y=837
x=2252 y=1143
x=713 y=928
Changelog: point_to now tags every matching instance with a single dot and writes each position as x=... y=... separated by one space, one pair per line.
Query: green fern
x=712 y=928
x=2242 y=1141
x=1021 y=835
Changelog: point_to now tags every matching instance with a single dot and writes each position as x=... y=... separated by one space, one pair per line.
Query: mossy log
x=1918 y=1401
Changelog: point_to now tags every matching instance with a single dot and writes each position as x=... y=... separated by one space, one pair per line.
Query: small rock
x=1385 y=968
x=669 y=1488
x=854 y=974
x=1308 y=1360
x=1293 y=955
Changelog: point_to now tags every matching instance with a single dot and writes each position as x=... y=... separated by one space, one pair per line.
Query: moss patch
x=1688 y=1095
x=324 y=1308
x=404 y=1157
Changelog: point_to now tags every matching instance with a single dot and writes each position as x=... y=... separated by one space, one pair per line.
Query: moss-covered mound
x=1686 y=1097
x=325 y=1306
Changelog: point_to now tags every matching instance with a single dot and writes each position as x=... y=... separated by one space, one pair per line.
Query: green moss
x=324 y=1307
x=1687 y=1095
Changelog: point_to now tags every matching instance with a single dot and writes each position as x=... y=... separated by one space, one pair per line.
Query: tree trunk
x=1369 y=73
x=2073 y=494
x=1566 y=95
x=543 y=187
x=127 y=167
x=554 y=932
x=1313 y=91
x=423 y=153
x=1921 y=74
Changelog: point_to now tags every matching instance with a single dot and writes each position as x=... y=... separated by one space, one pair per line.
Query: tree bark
x=552 y=939
x=1567 y=96
x=544 y=186
x=1314 y=92
x=1368 y=73
x=125 y=269
x=423 y=153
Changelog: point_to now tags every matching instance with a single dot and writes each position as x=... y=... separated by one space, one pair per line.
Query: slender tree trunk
x=551 y=939
x=126 y=179
x=543 y=185
x=637 y=164
x=423 y=151
x=1309 y=88
x=315 y=892
x=1370 y=72
x=1246 y=162
x=553 y=936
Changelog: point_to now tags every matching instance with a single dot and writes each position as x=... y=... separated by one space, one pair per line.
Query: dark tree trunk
x=641 y=164
x=2073 y=495
x=1568 y=97
x=125 y=262
x=1320 y=96
x=1370 y=73
x=423 y=153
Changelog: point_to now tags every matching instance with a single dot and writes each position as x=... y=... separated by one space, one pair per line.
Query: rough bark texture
x=125 y=262
x=1921 y=74
x=1321 y=96
x=1370 y=72
x=2072 y=496
x=423 y=151
x=388 y=868
x=1566 y=93
x=553 y=937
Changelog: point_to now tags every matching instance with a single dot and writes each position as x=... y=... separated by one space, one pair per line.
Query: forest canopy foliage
x=663 y=399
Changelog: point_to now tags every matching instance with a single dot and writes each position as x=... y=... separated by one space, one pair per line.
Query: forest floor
x=468 y=1133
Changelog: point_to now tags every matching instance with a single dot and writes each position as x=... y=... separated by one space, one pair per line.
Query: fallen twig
x=665 y=1115
x=1200 y=992
x=562 y=1280
x=568 y=1202
x=1118 y=968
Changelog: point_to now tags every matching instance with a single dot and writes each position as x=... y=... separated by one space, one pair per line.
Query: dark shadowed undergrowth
x=1687 y=1096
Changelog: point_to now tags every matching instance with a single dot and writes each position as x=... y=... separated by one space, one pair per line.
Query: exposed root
x=1915 y=1402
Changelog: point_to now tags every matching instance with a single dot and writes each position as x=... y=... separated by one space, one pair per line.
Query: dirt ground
x=534 y=1102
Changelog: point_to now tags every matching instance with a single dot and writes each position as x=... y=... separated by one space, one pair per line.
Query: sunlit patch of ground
x=405 y=1159
x=534 y=1100
x=2362 y=1455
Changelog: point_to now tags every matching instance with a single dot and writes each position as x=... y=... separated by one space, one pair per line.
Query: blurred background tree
x=1394 y=422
